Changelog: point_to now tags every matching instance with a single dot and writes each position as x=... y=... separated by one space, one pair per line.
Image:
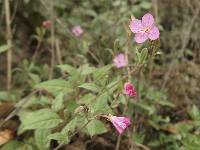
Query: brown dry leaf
x=5 y=136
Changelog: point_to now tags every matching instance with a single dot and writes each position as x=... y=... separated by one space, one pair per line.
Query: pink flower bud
x=129 y=89
x=47 y=24
x=120 y=61
x=77 y=31
x=120 y=123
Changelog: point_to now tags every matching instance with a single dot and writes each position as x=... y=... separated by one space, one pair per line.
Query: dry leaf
x=5 y=136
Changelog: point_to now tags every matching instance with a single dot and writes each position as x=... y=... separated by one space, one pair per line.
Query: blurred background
x=175 y=71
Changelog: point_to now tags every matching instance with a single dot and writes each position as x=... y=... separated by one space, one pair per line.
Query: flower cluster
x=144 y=29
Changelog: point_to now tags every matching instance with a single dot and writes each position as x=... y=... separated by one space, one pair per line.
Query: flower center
x=147 y=30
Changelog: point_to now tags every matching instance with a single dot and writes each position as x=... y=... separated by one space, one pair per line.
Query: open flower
x=77 y=31
x=129 y=89
x=47 y=24
x=120 y=61
x=144 y=29
x=120 y=123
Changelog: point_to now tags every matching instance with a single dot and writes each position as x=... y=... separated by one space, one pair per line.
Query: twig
x=58 y=53
x=9 y=42
x=118 y=142
x=52 y=39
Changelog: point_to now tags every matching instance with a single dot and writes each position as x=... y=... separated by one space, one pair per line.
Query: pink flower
x=129 y=89
x=77 y=31
x=47 y=24
x=120 y=123
x=120 y=61
x=144 y=29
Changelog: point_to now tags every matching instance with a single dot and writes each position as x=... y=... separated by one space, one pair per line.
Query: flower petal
x=135 y=25
x=147 y=20
x=154 y=33
x=120 y=60
x=141 y=37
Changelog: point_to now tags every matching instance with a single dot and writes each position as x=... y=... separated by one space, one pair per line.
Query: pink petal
x=147 y=20
x=135 y=25
x=120 y=61
x=119 y=127
x=120 y=123
x=77 y=30
x=154 y=33
x=141 y=37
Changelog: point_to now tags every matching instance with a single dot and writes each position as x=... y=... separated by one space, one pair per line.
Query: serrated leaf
x=90 y=86
x=41 y=119
x=57 y=103
x=96 y=127
x=55 y=86
x=41 y=139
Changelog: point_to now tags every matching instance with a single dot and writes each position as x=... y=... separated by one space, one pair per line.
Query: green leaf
x=12 y=145
x=41 y=119
x=41 y=139
x=194 y=113
x=69 y=69
x=113 y=86
x=145 y=5
x=71 y=105
x=86 y=70
x=86 y=99
x=77 y=122
x=57 y=103
x=90 y=86
x=96 y=127
x=100 y=105
x=117 y=45
x=143 y=55
x=101 y=72
x=60 y=137
x=55 y=86
x=138 y=137
x=4 y=48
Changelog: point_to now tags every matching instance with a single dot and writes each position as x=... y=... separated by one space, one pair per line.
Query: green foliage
x=41 y=139
x=54 y=86
x=40 y=119
x=90 y=86
x=96 y=127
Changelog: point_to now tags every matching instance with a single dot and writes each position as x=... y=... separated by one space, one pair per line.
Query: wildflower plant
x=95 y=100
